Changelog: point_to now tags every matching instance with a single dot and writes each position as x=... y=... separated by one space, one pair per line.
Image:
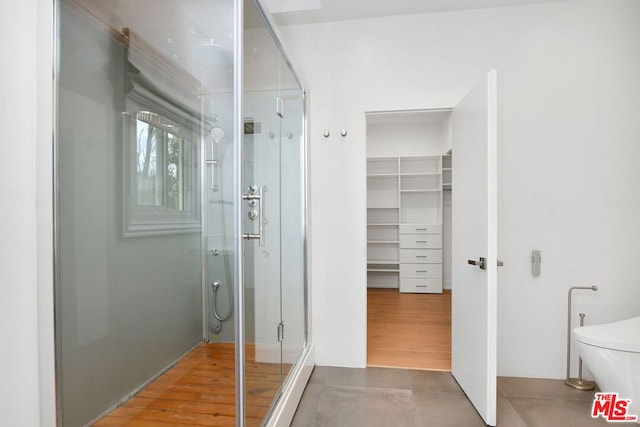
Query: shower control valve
x=252 y=203
x=253 y=214
x=252 y=189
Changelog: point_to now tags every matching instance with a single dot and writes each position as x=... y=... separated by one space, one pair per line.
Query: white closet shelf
x=383 y=261
x=382 y=242
x=384 y=270
x=380 y=224
x=433 y=190
x=420 y=173
x=390 y=175
x=383 y=207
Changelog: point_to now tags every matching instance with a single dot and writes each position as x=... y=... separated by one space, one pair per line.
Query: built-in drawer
x=421 y=285
x=420 y=229
x=417 y=241
x=421 y=271
x=421 y=256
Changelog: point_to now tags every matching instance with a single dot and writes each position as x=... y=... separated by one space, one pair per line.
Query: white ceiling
x=339 y=10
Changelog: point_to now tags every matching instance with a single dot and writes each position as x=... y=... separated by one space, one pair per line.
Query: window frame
x=150 y=220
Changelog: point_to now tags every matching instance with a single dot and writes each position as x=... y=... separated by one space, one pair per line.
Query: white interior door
x=474 y=236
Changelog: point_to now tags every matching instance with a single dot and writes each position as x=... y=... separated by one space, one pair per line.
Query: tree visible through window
x=161 y=161
x=175 y=172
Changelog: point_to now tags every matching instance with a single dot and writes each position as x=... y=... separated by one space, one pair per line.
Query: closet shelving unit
x=446 y=172
x=383 y=220
x=404 y=223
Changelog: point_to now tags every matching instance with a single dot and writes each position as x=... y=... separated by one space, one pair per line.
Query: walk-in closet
x=409 y=188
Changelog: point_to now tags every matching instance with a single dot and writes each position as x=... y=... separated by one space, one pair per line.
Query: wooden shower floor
x=408 y=330
x=200 y=391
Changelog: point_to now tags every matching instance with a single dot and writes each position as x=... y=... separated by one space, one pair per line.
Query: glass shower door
x=273 y=217
x=273 y=221
x=261 y=218
x=292 y=256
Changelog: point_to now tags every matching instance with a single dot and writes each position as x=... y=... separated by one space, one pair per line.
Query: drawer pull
x=421 y=286
x=421 y=256
x=421 y=241
x=421 y=271
x=421 y=229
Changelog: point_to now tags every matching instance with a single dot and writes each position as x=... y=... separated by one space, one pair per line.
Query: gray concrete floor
x=374 y=397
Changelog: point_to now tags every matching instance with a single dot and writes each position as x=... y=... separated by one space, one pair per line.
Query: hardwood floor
x=200 y=391
x=408 y=330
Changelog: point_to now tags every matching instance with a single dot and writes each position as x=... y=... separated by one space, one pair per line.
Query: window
x=162 y=157
x=161 y=190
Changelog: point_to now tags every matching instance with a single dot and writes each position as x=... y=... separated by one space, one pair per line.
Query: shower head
x=217 y=133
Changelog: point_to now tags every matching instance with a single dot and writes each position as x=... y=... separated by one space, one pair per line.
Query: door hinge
x=279 y=111
x=280 y=331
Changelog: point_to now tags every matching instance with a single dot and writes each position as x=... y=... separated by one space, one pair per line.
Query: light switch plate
x=536 y=260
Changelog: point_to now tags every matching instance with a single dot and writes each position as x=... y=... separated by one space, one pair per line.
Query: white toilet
x=612 y=353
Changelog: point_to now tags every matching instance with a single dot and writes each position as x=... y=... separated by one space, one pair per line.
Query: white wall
x=25 y=257
x=567 y=158
x=405 y=139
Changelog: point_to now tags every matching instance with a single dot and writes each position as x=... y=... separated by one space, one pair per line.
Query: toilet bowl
x=612 y=353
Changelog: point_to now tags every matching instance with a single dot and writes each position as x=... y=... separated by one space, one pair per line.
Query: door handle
x=260 y=198
x=480 y=263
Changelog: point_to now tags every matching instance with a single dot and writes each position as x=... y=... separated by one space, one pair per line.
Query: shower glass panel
x=144 y=96
x=273 y=171
x=261 y=178
x=292 y=260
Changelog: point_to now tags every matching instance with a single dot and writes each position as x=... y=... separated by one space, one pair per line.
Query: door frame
x=375 y=111
x=492 y=308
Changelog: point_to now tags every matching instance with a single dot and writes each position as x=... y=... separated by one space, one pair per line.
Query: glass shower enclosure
x=180 y=212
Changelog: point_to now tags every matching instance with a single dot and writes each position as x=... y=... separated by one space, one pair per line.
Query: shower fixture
x=217 y=133
x=217 y=320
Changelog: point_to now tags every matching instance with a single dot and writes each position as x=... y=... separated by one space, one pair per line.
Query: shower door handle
x=260 y=198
